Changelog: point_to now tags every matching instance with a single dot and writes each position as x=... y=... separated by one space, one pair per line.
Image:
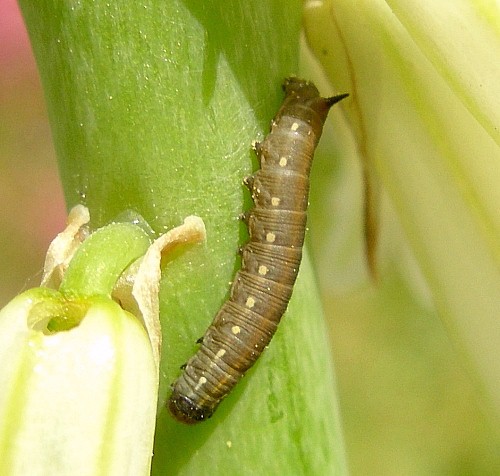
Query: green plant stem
x=154 y=106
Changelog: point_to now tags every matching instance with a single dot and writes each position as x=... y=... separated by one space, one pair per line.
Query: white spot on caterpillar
x=236 y=330
x=217 y=357
x=201 y=381
x=250 y=302
x=263 y=270
x=295 y=126
x=270 y=237
x=283 y=161
x=275 y=201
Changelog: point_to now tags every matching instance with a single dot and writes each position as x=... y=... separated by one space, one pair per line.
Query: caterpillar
x=261 y=290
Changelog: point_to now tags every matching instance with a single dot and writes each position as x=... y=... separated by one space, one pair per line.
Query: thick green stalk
x=153 y=107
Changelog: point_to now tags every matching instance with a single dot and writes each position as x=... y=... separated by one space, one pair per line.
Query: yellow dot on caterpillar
x=236 y=330
x=201 y=381
x=218 y=355
x=263 y=270
x=250 y=302
x=270 y=237
x=283 y=161
x=275 y=201
x=229 y=443
x=295 y=126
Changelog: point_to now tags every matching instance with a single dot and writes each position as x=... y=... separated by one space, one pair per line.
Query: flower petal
x=425 y=109
x=75 y=402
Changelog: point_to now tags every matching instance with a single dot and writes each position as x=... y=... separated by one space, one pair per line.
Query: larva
x=245 y=324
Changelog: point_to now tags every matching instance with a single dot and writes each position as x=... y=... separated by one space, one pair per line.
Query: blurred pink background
x=32 y=208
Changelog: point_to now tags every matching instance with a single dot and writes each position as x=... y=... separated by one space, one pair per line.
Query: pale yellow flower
x=79 y=369
x=424 y=84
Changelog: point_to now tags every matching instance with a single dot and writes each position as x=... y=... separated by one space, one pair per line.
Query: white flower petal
x=424 y=105
x=79 y=402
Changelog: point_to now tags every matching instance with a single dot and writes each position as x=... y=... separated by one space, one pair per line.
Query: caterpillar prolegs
x=246 y=323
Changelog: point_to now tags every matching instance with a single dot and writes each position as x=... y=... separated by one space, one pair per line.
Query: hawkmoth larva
x=247 y=321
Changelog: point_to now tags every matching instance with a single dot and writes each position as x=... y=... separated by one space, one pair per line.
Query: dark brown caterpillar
x=244 y=326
